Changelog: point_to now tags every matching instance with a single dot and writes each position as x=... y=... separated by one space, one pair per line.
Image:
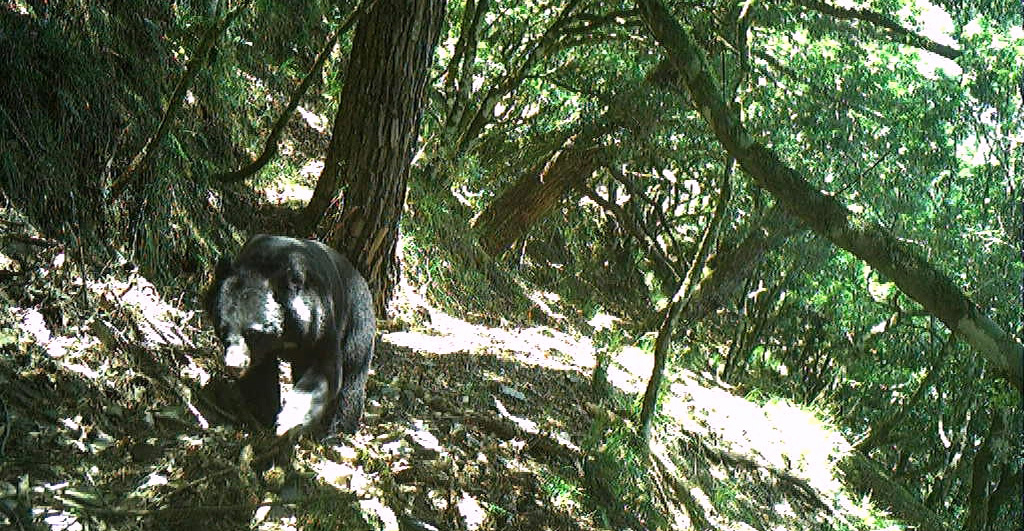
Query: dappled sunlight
x=539 y=345
x=544 y=300
x=630 y=369
x=312 y=119
x=780 y=434
x=466 y=426
x=780 y=438
x=34 y=326
x=290 y=193
x=157 y=321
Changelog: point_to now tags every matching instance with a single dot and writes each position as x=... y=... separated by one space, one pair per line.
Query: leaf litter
x=117 y=415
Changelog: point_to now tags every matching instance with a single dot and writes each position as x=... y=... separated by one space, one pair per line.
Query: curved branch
x=270 y=147
x=632 y=227
x=658 y=209
x=894 y=29
x=195 y=64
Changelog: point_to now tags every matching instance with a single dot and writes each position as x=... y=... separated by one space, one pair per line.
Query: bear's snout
x=236 y=359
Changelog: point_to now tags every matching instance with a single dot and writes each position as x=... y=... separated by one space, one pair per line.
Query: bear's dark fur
x=301 y=302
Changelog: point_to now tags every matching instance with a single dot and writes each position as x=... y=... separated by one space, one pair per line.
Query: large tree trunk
x=825 y=215
x=374 y=136
x=1010 y=484
x=524 y=203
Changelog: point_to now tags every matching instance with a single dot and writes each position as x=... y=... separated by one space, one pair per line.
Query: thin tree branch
x=898 y=32
x=633 y=228
x=270 y=147
x=634 y=189
x=679 y=301
x=196 y=63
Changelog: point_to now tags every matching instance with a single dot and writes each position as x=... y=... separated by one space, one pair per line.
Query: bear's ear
x=223 y=269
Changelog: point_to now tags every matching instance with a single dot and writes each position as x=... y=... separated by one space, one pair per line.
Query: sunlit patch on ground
x=777 y=436
x=540 y=345
x=312 y=119
x=289 y=193
x=630 y=369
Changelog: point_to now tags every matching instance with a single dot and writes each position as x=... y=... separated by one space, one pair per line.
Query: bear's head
x=247 y=317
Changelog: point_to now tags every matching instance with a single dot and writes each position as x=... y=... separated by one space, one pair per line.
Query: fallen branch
x=538 y=443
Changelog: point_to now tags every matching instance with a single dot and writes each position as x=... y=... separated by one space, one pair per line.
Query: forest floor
x=116 y=415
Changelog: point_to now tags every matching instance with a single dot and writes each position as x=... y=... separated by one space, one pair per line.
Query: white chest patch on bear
x=302 y=311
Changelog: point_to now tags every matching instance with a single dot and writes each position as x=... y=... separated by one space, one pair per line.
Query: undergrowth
x=85 y=84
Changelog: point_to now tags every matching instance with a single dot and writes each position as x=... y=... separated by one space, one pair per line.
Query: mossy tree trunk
x=826 y=215
x=508 y=218
x=374 y=136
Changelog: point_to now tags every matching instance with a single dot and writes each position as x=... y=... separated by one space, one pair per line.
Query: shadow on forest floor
x=115 y=414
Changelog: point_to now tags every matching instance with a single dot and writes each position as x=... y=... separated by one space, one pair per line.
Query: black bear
x=301 y=302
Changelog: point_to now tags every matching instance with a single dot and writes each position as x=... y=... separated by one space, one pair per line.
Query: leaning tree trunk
x=532 y=197
x=512 y=214
x=687 y=286
x=826 y=215
x=374 y=136
x=870 y=479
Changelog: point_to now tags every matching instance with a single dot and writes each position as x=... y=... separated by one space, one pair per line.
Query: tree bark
x=981 y=478
x=826 y=215
x=1009 y=487
x=529 y=199
x=374 y=136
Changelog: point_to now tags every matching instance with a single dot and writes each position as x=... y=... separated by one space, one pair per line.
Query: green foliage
x=617 y=476
x=928 y=148
x=454 y=272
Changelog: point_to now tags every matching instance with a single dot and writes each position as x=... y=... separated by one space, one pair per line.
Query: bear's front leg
x=305 y=403
x=260 y=387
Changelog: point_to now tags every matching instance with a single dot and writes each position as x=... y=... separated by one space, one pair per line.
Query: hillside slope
x=116 y=416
